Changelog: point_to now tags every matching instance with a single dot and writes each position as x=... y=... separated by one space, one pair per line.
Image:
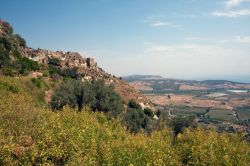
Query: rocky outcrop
x=66 y=59
x=87 y=67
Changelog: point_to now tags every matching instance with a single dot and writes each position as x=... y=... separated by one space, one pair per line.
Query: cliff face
x=85 y=66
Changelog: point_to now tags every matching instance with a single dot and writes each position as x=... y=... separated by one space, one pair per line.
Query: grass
x=186 y=110
x=221 y=115
x=8 y=87
x=243 y=113
x=35 y=87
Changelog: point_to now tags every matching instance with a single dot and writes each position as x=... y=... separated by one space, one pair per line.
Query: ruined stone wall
x=91 y=62
x=67 y=59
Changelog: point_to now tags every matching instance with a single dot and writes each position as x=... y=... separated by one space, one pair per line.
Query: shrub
x=5 y=47
x=39 y=83
x=19 y=40
x=134 y=104
x=180 y=123
x=96 y=95
x=137 y=121
x=46 y=73
x=54 y=61
x=8 y=87
x=7 y=28
x=8 y=71
x=25 y=65
x=21 y=65
x=53 y=70
x=5 y=44
x=207 y=147
x=55 y=77
x=164 y=119
x=70 y=73
x=4 y=58
x=64 y=95
x=148 y=112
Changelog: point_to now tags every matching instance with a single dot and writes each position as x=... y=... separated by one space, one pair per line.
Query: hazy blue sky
x=174 y=38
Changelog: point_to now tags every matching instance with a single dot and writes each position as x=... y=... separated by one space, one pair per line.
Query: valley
x=224 y=104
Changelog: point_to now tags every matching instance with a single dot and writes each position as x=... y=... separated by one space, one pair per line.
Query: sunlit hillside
x=31 y=134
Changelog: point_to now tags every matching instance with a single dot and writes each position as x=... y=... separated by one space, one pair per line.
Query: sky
x=189 y=39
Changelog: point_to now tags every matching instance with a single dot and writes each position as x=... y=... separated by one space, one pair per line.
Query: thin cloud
x=170 y=48
x=232 y=13
x=159 y=24
x=234 y=3
x=237 y=39
x=159 y=21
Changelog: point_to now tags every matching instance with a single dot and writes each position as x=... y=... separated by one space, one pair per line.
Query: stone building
x=91 y=63
x=67 y=60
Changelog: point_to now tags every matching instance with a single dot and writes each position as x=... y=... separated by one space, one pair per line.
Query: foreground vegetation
x=31 y=134
x=87 y=123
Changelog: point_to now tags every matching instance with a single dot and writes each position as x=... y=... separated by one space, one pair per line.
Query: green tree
x=164 y=120
x=136 y=121
x=95 y=95
x=64 y=95
x=107 y=100
x=85 y=94
x=180 y=123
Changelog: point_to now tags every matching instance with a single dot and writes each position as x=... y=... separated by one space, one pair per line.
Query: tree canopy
x=94 y=94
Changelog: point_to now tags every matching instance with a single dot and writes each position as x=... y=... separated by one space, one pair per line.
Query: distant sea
x=241 y=79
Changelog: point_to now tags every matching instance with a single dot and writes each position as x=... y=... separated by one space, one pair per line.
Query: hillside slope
x=17 y=60
x=32 y=135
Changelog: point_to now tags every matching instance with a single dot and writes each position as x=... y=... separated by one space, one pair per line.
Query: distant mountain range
x=142 y=77
x=158 y=84
x=232 y=80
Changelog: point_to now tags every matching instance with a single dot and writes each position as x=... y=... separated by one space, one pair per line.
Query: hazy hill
x=142 y=77
x=158 y=77
x=158 y=84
